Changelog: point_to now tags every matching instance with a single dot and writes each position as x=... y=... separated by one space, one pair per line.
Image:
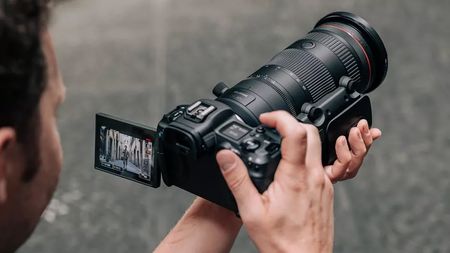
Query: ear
x=7 y=136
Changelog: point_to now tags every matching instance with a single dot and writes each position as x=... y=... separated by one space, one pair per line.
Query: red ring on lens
x=357 y=42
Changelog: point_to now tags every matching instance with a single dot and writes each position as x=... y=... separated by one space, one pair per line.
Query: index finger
x=294 y=135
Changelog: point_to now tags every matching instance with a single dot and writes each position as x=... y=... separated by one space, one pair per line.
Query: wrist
x=206 y=210
x=205 y=227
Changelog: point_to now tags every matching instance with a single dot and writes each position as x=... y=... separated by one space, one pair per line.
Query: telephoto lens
x=341 y=44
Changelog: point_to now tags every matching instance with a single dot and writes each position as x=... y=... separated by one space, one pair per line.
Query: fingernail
x=343 y=141
x=366 y=129
x=225 y=162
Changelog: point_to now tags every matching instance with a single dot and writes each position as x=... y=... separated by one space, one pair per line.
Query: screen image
x=128 y=156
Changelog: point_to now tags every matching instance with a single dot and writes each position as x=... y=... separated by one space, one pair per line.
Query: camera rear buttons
x=251 y=145
x=260 y=129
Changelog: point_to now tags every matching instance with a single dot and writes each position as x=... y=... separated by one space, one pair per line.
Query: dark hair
x=23 y=75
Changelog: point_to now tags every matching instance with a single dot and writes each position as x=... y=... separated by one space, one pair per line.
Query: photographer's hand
x=295 y=214
x=360 y=139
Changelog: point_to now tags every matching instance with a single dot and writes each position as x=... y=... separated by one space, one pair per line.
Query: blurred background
x=137 y=59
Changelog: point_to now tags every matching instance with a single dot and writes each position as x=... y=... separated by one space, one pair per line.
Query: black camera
x=320 y=79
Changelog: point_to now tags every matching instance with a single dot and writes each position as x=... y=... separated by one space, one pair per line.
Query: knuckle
x=318 y=178
x=294 y=181
x=297 y=187
x=360 y=152
x=346 y=159
x=299 y=133
x=236 y=181
x=368 y=145
x=364 y=150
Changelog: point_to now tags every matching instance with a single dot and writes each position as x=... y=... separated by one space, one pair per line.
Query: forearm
x=205 y=227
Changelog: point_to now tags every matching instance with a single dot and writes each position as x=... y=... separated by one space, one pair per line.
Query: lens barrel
x=341 y=44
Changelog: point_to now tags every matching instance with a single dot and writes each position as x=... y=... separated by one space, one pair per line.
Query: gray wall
x=139 y=58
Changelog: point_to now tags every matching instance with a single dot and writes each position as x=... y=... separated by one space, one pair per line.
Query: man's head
x=31 y=90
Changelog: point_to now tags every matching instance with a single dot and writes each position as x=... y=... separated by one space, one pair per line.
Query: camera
x=321 y=79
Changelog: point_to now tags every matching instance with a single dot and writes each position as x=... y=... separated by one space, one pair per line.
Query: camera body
x=190 y=136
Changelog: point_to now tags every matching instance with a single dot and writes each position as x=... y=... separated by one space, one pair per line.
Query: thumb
x=238 y=180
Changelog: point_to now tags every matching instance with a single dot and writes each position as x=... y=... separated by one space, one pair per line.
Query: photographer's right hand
x=295 y=214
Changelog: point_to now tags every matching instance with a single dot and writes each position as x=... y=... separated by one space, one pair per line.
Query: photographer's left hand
x=350 y=156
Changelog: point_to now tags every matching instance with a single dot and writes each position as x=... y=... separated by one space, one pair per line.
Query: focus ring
x=272 y=83
x=340 y=50
x=313 y=73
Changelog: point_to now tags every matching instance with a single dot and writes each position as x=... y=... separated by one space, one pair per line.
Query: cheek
x=44 y=184
x=51 y=152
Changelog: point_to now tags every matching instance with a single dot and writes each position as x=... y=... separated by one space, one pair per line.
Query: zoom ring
x=312 y=73
x=340 y=50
